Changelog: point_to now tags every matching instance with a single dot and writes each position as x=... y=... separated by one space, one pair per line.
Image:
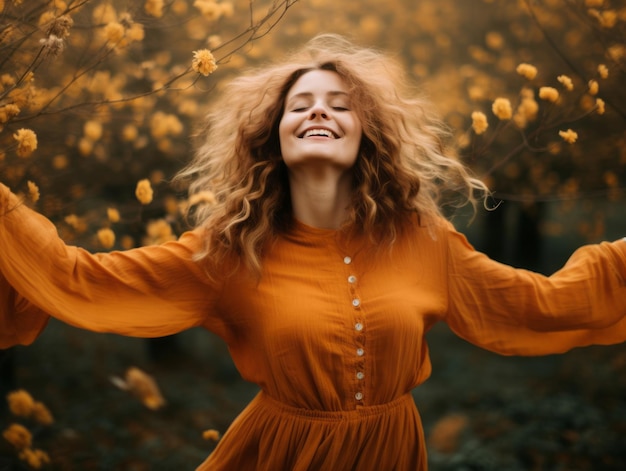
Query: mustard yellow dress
x=332 y=332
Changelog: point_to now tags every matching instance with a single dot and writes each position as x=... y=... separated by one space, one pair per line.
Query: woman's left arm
x=516 y=311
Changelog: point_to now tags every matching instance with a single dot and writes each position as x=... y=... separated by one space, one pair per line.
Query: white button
x=358 y=326
x=358 y=396
x=360 y=375
x=356 y=302
x=352 y=279
x=347 y=260
x=360 y=352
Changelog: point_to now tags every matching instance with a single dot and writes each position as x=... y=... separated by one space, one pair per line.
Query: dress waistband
x=265 y=401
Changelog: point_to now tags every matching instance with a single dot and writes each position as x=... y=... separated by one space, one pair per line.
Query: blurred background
x=109 y=91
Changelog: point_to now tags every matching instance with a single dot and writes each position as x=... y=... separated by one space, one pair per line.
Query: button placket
x=359 y=328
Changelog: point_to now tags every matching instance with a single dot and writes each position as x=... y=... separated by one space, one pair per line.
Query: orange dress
x=332 y=332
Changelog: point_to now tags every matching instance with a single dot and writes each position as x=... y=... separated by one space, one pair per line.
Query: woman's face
x=318 y=125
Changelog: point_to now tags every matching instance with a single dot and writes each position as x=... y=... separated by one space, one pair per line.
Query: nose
x=318 y=110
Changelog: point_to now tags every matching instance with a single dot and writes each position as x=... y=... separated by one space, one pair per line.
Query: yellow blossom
x=594 y=3
x=549 y=94
x=20 y=402
x=35 y=458
x=569 y=136
x=85 y=146
x=600 y=106
x=33 y=191
x=42 y=414
x=527 y=71
x=211 y=434
x=502 y=108
x=135 y=33
x=158 y=232
x=606 y=18
x=479 y=122
x=154 y=8
x=26 y=142
x=7 y=112
x=92 y=130
x=130 y=132
x=603 y=71
x=203 y=62
x=106 y=237
x=104 y=13
x=113 y=215
x=141 y=385
x=210 y=9
x=144 y=192
x=59 y=162
x=566 y=81
x=163 y=124
x=179 y=7
x=18 y=436
x=114 y=32
x=594 y=87
x=228 y=9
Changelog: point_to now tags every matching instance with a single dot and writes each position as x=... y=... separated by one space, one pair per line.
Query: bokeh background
x=113 y=99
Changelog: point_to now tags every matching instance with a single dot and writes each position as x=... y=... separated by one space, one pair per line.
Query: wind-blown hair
x=404 y=165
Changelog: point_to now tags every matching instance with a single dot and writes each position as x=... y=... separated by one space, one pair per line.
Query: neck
x=321 y=200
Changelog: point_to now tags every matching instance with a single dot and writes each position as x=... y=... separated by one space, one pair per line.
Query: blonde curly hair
x=404 y=166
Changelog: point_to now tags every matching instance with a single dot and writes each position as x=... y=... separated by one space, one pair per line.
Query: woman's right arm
x=147 y=292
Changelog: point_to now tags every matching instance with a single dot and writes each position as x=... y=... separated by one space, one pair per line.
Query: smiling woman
x=322 y=262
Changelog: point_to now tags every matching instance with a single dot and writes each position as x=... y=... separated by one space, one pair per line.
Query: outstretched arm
x=146 y=292
x=516 y=311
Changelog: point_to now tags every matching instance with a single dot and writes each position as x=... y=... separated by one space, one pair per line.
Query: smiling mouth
x=318 y=133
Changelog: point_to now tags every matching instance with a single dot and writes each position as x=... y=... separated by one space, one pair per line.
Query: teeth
x=318 y=132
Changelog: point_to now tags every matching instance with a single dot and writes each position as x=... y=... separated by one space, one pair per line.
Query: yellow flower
x=210 y=9
x=600 y=107
x=566 y=81
x=141 y=385
x=35 y=458
x=42 y=414
x=18 y=436
x=106 y=237
x=527 y=71
x=479 y=122
x=154 y=8
x=33 y=191
x=594 y=87
x=113 y=215
x=92 y=130
x=228 y=9
x=593 y=3
x=21 y=403
x=130 y=132
x=114 y=32
x=211 y=434
x=26 y=142
x=569 y=136
x=549 y=94
x=203 y=62
x=502 y=108
x=144 y=192
x=158 y=232
x=8 y=111
x=603 y=71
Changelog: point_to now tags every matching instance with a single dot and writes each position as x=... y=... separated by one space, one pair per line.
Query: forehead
x=318 y=81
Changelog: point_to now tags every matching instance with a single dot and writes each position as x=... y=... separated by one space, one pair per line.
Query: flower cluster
x=21 y=404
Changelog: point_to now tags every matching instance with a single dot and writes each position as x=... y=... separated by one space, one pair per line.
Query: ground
x=480 y=411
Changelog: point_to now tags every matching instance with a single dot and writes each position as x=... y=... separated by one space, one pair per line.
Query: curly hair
x=404 y=165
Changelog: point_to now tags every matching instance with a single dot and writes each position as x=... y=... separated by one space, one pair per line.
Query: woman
x=323 y=263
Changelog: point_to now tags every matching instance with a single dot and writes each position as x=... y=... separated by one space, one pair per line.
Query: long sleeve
x=146 y=292
x=516 y=311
